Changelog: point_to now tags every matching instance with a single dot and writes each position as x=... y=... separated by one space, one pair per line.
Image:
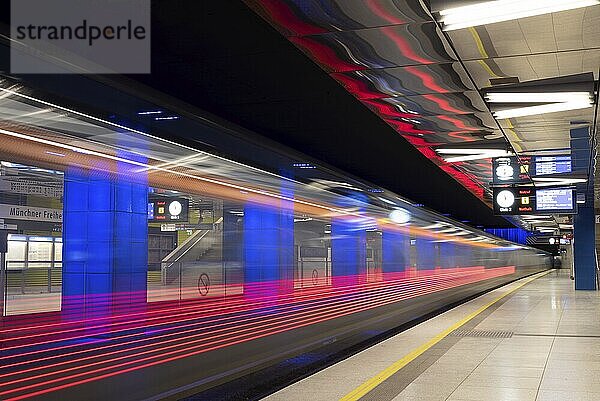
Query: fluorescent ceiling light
x=471 y=154
x=432 y=226
x=462 y=233
x=146 y=113
x=566 y=226
x=400 y=216
x=542 y=109
x=537 y=97
x=490 y=12
x=386 y=201
x=547 y=181
x=553 y=102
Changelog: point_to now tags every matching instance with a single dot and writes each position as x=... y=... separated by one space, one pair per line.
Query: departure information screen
x=545 y=165
x=554 y=199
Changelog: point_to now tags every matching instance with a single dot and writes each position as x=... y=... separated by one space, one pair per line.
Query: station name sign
x=16 y=212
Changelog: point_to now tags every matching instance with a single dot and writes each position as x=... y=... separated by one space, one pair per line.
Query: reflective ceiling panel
x=426 y=84
x=392 y=56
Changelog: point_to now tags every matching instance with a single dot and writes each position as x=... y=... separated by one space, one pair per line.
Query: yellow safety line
x=482 y=51
x=488 y=68
x=513 y=137
x=478 y=42
x=385 y=374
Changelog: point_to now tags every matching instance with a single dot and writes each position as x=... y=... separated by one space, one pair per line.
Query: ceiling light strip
x=490 y=12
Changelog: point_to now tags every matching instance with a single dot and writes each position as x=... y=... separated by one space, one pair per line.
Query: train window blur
x=126 y=234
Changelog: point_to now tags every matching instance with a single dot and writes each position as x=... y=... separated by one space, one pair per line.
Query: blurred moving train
x=182 y=272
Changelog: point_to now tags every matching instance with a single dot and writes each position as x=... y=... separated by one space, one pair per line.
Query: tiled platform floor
x=553 y=354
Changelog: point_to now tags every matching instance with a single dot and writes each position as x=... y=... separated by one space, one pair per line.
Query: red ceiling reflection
x=392 y=57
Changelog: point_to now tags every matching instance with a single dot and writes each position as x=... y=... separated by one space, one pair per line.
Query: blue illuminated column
x=584 y=247
x=584 y=231
x=105 y=236
x=396 y=248
x=233 y=245
x=447 y=255
x=426 y=254
x=268 y=249
x=348 y=251
x=465 y=257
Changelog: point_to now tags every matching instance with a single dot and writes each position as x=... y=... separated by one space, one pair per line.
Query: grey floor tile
x=553 y=395
x=476 y=368
x=480 y=380
x=493 y=394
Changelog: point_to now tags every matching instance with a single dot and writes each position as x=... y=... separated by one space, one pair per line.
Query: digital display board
x=526 y=200
x=546 y=165
x=168 y=209
x=555 y=199
x=519 y=170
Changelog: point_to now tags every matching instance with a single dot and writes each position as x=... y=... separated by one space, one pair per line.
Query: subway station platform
x=534 y=339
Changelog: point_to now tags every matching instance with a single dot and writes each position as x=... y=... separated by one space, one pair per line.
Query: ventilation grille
x=504 y=81
x=482 y=333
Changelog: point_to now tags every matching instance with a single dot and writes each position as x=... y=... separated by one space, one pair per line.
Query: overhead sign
x=16 y=212
x=528 y=200
x=168 y=227
x=518 y=170
x=508 y=170
x=513 y=200
x=168 y=209
x=19 y=185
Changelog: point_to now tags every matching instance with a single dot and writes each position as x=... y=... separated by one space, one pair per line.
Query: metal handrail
x=205 y=240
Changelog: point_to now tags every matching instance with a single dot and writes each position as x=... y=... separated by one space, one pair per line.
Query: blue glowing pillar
x=396 y=251
x=268 y=249
x=426 y=254
x=584 y=248
x=447 y=255
x=348 y=252
x=233 y=246
x=105 y=240
x=584 y=230
x=465 y=256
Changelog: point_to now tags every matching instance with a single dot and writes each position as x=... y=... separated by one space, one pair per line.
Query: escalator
x=199 y=248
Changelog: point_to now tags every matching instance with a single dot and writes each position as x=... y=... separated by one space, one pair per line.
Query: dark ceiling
x=223 y=58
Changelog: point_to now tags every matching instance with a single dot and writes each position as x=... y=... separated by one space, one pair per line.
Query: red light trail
x=164 y=335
